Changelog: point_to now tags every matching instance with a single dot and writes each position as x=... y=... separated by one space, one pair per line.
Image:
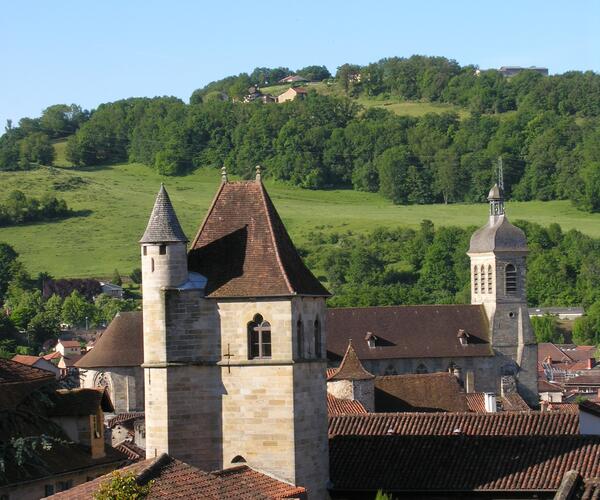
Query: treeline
x=19 y=209
x=429 y=265
x=548 y=142
x=236 y=87
x=327 y=141
x=31 y=141
x=32 y=309
x=438 y=79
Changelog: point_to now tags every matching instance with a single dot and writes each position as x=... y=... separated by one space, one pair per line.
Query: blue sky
x=89 y=52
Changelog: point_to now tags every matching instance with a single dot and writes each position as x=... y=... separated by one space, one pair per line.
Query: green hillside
x=119 y=199
x=396 y=105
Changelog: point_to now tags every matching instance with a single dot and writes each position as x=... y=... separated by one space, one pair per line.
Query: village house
x=112 y=290
x=38 y=362
x=30 y=406
x=291 y=94
x=292 y=79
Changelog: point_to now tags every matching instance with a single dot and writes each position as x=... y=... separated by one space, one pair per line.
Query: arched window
x=475 y=280
x=259 y=338
x=238 y=459
x=300 y=339
x=482 y=278
x=510 y=274
x=490 y=280
x=317 y=335
x=422 y=368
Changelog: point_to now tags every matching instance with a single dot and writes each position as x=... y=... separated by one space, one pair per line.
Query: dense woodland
x=546 y=129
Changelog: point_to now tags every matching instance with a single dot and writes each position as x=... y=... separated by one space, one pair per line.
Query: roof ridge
x=405 y=305
x=145 y=475
x=208 y=213
x=264 y=196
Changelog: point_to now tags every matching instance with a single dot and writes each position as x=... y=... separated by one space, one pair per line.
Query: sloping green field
x=115 y=203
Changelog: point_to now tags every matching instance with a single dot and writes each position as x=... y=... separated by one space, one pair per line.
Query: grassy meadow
x=114 y=203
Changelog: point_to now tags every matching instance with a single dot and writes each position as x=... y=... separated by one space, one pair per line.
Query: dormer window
x=371 y=340
x=510 y=273
x=259 y=338
x=463 y=337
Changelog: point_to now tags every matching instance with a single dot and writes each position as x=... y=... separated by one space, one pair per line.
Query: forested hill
x=545 y=128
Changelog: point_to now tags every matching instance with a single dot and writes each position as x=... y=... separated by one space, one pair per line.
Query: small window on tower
x=300 y=338
x=475 y=280
x=151 y=265
x=317 y=334
x=162 y=249
x=510 y=274
x=145 y=250
x=490 y=280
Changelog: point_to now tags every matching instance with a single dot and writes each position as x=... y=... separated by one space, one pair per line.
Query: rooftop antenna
x=500 y=174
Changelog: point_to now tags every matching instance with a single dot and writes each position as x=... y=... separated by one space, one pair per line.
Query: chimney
x=490 y=402
x=544 y=405
x=469 y=381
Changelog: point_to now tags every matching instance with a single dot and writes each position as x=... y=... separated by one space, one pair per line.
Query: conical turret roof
x=163 y=226
x=351 y=368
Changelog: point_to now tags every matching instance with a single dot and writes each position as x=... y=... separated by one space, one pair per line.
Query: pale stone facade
x=208 y=402
x=125 y=385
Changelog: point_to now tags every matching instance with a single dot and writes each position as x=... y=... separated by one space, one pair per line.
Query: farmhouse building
x=291 y=94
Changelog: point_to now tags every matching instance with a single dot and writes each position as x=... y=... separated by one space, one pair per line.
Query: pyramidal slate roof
x=163 y=226
x=244 y=250
x=351 y=368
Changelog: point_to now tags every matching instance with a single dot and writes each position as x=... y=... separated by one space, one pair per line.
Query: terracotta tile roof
x=423 y=392
x=564 y=407
x=60 y=459
x=243 y=249
x=121 y=344
x=511 y=402
x=590 y=379
x=79 y=402
x=337 y=406
x=131 y=451
x=70 y=343
x=52 y=355
x=15 y=372
x=443 y=464
x=163 y=226
x=545 y=386
x=26 y=359
x=244 y=480
x=532 y=423
x=122 y=418
x=300 y=90
x=175 y=479
x=400 y=331
x=350 y=368
x=17 y=381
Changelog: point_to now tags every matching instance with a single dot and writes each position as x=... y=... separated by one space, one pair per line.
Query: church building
x=234 y=341
x=489 y=343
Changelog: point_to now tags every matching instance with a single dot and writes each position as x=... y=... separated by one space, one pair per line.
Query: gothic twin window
x=510 y=273
x=259 y=338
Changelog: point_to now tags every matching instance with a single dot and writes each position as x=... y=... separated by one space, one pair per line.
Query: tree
x=546 y=329
x=586 y=330
x=75 y=310
x=8 y=259
x=393 y=167
x=136 y=276
x=116 y=278
x=36 y=148
x=122 y=486
x=314 y=73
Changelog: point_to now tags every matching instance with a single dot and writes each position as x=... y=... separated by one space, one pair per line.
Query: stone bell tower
x=498 y=253
x=182 y=415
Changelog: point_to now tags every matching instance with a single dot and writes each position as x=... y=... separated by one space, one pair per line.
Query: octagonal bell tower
x=498 y=253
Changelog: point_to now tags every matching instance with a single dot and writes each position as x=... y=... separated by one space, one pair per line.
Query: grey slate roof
x=499 y=235
x=163 y=226
x=495 y=193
